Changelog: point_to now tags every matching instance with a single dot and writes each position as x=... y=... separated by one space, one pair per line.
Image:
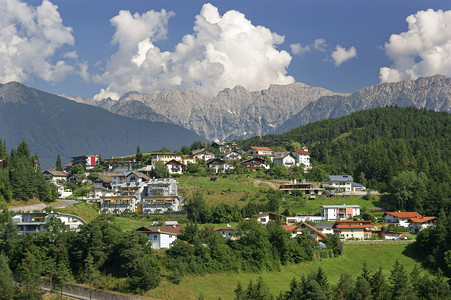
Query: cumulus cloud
x=29 y=38
x=222 y=52
x=297 y=49
x=320 y=45
x=340 y=55
x=423 y=50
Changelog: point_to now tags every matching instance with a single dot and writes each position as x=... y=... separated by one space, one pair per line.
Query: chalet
x=175 y=167
x=418 y=224
x=161 y=237
x=219 y=165
x=203 y=154
x=35 y=222
x=401 y=218
x=254 y=163
x=54 y=175
x=260 y=152
x=339 y=212
x=136 y=177
x=232 y=155
x=87 y=161
x=76 y=178
x=315 y=233
x=285 y=159
x=99 y=192
x=102 y=182
x=266 y=217
x=302 y=157
x=353 y=229
x=226 y=232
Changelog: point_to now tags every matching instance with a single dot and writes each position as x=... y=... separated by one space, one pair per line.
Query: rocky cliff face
x=233 y=113
x=427 y=92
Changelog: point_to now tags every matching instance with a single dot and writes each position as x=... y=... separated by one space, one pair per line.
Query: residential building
x=418 y=224
x=266 y=217
x=285 y=159
x=188 y=159
x=55 y=176
x=302 y=157
x=203 y=154
x=117 y=204
x=260 y=152
x=87 y=161
x=161 y=237
x=99 y=192
x=389 y=235
x=306 y=188
x=341 y=182
x=353 y=229
x=227 y=232
x=232 y=155
x=401 y=218
x=35 y=222
x=118 y=179
x=300 y=219
x=254 y=164
x=119 y=162
x=219 y=165
x=175 y=167
x=311 y=230
x=357 y=187
x=165 y=157
x=339 y=212
x=102 y=182
x=160 y=195
x=76 y=178
x=136 y=177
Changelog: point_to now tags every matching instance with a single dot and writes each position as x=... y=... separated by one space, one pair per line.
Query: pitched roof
x=260 y=148
x=267 y=213
x=140 y=175
x=289 y=227
x=224 y=228
x=167 y=229
x=341 y=178
x=279 y=155
x=353 y=226
x=104 y=179
x=404 y=215
x=57 y=173
x=302 y=152
x=314 y=229
x=422 y=220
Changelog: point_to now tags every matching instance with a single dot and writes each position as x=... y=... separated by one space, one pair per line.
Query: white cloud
x=223 y=51
x=320 y=45
x=423 y=50
x=340 y=55
x=29 y=38
x=297 y=49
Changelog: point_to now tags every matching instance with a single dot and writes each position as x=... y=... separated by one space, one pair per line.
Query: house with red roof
x=317 y=235
x=418 y=224
x=302 y=157
x=353 y=229
x=161 y=237
x=400 y=218
x=260 y=152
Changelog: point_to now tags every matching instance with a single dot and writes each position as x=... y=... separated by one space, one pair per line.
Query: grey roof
x=341 y=178
x=280 y=155
x=355 y=184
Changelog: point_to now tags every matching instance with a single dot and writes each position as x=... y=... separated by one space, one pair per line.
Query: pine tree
x=400 y=283
x=362 y=290
x=58 y=163
x=379 y=287
x=344 y=287
x=139 y=156
x=7 y=286
x=30 y=275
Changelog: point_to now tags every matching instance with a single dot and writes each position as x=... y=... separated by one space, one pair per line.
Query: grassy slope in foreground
x=222 y=285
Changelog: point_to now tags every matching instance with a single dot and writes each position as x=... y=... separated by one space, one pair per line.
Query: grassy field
x=224 y=190
x=213 y=286
x=85 y=211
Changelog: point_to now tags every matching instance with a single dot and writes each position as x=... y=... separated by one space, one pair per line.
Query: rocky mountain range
x=238 y=113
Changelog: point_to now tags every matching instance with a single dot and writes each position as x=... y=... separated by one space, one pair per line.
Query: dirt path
x=273 y=185
x=28 y=208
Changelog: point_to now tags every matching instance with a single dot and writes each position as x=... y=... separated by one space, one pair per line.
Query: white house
x=161 y=237
x=219 y=165
x=260 y=152
x=266 y=217
x=98 y=192
x=302 y=157
x=339 y=212
x=341 y=182
x=165 y=157
x=226 y=232
x=418 y=224
x=117 y=204
x=300 y=219
x=315 y=233
x=34 y=222
x=232 y=155
x=285 y=159
x=255 y=163
x=55 y=176
x=353 y=229
x=175 y=167
x=118 y=180
x=401 y=218
x=203 y=154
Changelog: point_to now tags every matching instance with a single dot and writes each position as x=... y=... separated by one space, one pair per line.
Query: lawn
x=224 y=190
x=87 y=212
x=213 y=286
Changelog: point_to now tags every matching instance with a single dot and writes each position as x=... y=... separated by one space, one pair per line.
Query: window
x=155 y=237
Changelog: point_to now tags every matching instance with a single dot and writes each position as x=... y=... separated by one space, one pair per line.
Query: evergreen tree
x=7 y=286
x=440 y=287
x=379 y=287
x=29 y=273
x=139 y=156
x=63 y=273
x=400 y=285
x=344 y=287
x=58 y=163
x=362 y=290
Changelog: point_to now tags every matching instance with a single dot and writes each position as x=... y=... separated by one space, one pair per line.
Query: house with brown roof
x=311 y=230
x=227 y=232
x=285 y=159
x=161 y=237
x=54 y=175
x=353 y=229
x=400 y=218
x=203 y=154
x=219 y=165
x=232 y=155
x=254 y=163
x=175 y=167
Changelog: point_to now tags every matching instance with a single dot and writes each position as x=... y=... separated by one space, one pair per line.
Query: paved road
x=28 y=208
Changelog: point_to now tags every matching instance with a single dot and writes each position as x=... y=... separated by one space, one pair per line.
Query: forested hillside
x=405 y=151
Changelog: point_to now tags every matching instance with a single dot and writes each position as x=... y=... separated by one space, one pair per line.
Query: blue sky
x=87 y=48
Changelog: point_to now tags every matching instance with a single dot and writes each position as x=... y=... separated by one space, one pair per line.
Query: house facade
x=284 y=158
x=175 y=167
x=302 y=157
x=232 y=155
x=341 y=182
x=266 y=217
x=260 y=152
x=203 y=154
x=401 y=218
x=219 y=165
x=35 y=222
x=87 y=161
x=165 y=157
x=418 y=224
x=353 y=229
x=306 y=188
x=226 y=232
x=55 y=176
x=311 y=230
x=161 y=237
x=159 y=196
x=339 y=212
x=254 y=164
